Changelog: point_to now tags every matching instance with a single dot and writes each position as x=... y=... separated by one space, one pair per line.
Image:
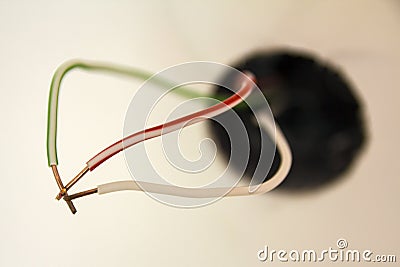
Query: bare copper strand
x=77 y=178
x=70 y=204
x=81 y=194
x=57 y=176
x=62 y=188
x=72 y=182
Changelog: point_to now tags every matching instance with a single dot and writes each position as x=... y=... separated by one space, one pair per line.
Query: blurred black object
x=316 y=110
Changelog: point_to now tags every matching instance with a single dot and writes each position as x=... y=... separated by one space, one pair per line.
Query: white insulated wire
x=284 y=167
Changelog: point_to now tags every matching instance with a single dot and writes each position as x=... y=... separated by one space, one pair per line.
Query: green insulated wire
x=91 y=66
x=105 y=68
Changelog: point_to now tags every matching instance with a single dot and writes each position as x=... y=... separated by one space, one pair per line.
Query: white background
x=131 y=229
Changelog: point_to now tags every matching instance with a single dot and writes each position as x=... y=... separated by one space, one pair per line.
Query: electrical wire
x=174 y=125
x=284 y=167
x=265 y=122
x=90 y=66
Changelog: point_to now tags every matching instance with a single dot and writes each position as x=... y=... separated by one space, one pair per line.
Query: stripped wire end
x=62 y=193
x=63 y=190
x=70 y=204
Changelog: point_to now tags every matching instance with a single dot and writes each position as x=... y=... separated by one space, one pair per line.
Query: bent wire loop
x=238 y=97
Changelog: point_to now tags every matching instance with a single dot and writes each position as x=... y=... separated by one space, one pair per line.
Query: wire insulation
x=280 y=175
x=174 y=125
x=265 y=123
x=90 y=66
